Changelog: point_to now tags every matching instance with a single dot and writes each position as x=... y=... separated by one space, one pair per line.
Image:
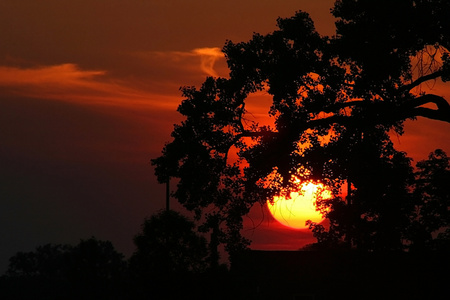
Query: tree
x=334 y=101
x=431 y=215
x=96 y=262
x=167 y=246
x=170 y=257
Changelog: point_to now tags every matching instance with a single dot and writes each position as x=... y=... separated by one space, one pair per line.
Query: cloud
x=208 y=58
x=198 y=60
x=65 y=74
x=68 y=82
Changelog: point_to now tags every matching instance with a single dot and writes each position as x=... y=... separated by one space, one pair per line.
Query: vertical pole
x=168 y=193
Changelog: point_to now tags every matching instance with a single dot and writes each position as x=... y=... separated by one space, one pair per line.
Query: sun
x=294 y=212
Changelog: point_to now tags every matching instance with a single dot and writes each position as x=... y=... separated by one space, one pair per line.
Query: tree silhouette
x=93 y=269
x=95 y=262
x=169 y=255
x=334 y=101
x=431 y=214
x=168 y=244
x=173 y=261
x=47 y=261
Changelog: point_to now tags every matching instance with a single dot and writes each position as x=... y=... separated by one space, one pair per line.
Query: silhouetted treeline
x=92 y=269
x=170 y=262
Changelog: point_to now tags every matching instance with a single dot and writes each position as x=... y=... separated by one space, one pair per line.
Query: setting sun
x=294 y=212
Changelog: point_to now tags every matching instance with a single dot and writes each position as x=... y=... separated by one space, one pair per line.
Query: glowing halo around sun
x=294 y=212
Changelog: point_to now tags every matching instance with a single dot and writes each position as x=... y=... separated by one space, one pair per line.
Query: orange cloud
x=70 y=83
x=208 y=58
x=198 y=59
x=59 y=74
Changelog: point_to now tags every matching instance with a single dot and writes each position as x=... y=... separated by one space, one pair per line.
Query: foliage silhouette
x=168 y=244
x=409 y=210
x=171 y=262
x=431 y=215
x=334 y=102
x=170 y=257
x=93 y=269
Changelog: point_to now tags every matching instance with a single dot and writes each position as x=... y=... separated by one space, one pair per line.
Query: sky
x=88 y=95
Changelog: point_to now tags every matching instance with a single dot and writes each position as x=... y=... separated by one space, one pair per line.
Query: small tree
x=168 y=246
x=96 y=262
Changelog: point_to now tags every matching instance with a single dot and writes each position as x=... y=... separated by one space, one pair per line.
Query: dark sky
x=88 y=95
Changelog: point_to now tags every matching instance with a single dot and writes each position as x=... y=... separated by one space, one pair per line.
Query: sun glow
x=301 y=206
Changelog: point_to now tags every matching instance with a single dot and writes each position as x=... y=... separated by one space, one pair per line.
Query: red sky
x=88 y=95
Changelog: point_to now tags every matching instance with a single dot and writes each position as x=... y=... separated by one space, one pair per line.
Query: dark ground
x=296 y=275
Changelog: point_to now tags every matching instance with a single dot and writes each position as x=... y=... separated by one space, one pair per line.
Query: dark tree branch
x=409 y=110
x=440 y=102
x=421 y=80
x=382 y=112
x=247 y=133
x=336 y=106
x=442 y=113
x=336 y=119
x=431 y=114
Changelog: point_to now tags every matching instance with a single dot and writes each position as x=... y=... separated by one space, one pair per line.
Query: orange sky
x=88 y=95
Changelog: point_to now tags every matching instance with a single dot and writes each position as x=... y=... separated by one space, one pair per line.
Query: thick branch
x=410 y=109
x=442 y=113
x=421 y=80
x=336 y=119
x=440 y=102
x=344 y=105
x=247 y=133
x=384 y=112
x=379 y=114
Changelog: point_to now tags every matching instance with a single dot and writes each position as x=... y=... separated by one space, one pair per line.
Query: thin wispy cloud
x=68 y=82
x=208 y=58
x=198 y=60
x=64 y=74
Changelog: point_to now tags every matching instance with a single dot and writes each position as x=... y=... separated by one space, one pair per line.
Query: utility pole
x=168 y=194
